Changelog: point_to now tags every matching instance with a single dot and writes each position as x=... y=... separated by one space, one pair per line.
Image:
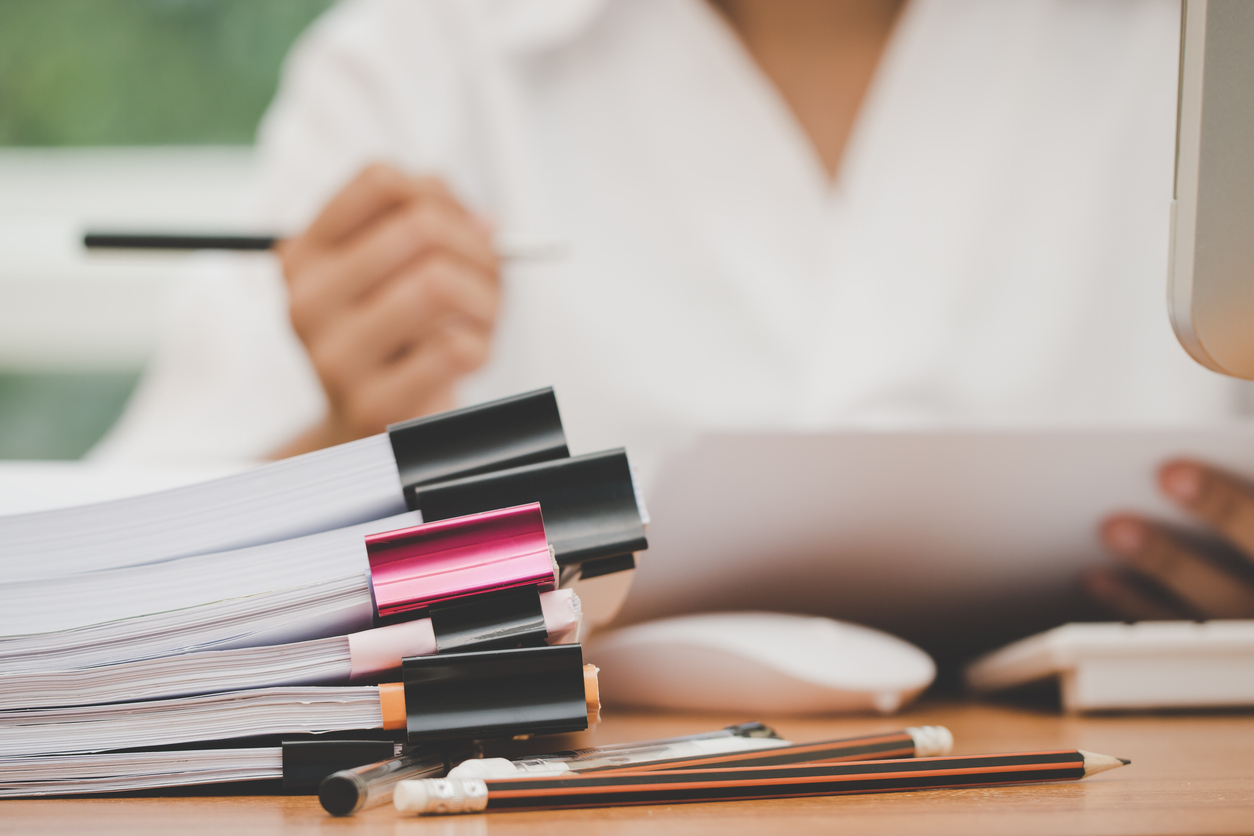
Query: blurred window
x=141 y=72
x=88 y=88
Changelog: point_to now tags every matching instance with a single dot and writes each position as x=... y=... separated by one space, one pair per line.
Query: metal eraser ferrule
x=495 y=693
x=510 y=432
x=413 y=568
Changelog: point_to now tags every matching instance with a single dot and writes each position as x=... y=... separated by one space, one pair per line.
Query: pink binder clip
x=413 y=568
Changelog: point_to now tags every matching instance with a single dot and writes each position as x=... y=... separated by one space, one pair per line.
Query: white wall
x=61 y=309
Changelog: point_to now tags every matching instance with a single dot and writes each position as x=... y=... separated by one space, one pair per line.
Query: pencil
x=508 y=248
x=348 y=791
x=907 y=743
x=616 y=789
x=719 y=750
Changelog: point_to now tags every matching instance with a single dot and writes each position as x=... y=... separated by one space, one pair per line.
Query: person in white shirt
x=772 y=214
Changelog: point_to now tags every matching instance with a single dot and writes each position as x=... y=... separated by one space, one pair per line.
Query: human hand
x=394 y=290
x=1167 y=575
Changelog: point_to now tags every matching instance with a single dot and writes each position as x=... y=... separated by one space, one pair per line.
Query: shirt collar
x=528 y=26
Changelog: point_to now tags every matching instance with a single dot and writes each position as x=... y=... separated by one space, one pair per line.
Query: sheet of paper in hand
x=957 y=540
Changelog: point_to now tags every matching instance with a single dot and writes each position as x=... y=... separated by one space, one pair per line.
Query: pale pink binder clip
x=413 y=568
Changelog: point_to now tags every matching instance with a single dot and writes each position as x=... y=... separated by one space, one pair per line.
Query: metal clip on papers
x=413 y=568
x=511 y=432
x=591 y=512
x=493 y=620
x=499 y=693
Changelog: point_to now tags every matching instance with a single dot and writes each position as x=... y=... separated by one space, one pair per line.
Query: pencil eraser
x=440 y=795
x=931 y=741
x=410 y=797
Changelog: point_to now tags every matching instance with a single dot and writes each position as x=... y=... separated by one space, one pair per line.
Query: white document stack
x=328 y=489
x=129 y=771
x=232 y=609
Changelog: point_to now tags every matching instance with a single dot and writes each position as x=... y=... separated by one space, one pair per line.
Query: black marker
x=350 y=790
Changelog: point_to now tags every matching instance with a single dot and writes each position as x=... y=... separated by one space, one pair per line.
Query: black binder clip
x=589 y=504
x=307 y=762
x=514 y=431
x=495 y=693
x=490 y=621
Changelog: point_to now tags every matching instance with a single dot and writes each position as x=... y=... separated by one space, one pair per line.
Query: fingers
x=1126 y=600
x=403 y=240
x=413 y=383
x=394 y=291
x=1214 y=496
x=406 y=312
x=1195 y=580
x=376 y=189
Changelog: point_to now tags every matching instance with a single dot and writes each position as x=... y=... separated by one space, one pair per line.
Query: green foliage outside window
x=125 y=72
x=141 y=72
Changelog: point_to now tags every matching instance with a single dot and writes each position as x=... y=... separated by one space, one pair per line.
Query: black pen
x=508 y=248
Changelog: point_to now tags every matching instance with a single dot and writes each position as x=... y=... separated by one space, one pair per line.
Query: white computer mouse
x=758 y=663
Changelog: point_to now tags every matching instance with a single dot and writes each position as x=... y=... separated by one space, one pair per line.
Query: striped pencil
x=921 y=741
x=617 y=789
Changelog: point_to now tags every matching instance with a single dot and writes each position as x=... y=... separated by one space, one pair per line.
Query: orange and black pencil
x=615 y=789
x=917 y=741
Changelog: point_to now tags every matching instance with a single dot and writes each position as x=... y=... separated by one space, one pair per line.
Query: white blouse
x=993 y=250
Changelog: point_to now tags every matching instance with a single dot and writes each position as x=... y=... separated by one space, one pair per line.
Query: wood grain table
x=1190 y=773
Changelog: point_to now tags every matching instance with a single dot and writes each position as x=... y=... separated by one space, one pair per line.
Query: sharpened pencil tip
x=1124 y=761
x=1095 y=763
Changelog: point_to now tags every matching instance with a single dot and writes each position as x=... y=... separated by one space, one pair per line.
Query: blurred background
x=128 y=114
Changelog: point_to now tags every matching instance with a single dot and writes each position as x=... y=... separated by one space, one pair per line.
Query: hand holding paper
x=1185 y=579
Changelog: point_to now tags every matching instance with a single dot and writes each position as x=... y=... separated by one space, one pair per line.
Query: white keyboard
x=1147 y=665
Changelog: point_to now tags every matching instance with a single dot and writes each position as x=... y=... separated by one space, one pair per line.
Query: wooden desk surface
x=1189 y=774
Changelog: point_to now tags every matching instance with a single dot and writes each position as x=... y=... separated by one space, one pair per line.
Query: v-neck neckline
x=770 y=99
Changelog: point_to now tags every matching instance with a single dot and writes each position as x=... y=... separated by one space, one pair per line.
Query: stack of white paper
x=335 y=607
x=327 y=661
x=318 y=662
x=266 y=711
x=236 y=607
x=124 y=771
x=328 y=489
x=77 y=600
